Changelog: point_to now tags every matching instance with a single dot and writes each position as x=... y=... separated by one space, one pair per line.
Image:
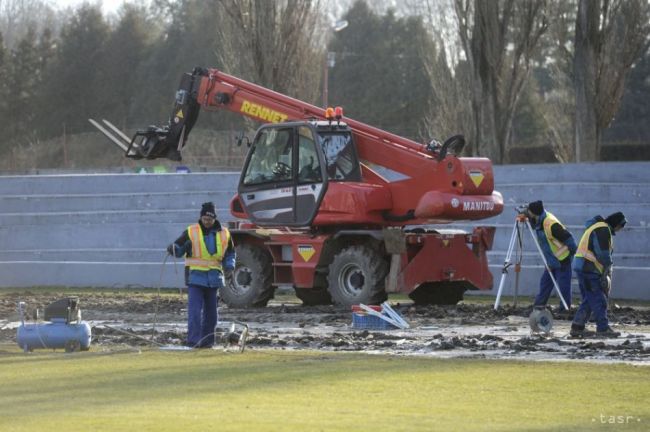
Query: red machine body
x=438 y=191
x=347 y=237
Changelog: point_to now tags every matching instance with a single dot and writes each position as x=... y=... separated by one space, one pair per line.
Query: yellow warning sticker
x=306 y=251
x=179 y=114
x=477 y=177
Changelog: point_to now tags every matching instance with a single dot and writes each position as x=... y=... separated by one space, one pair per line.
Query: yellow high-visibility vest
x=583 y=246
x=559 y=249
x=201 y=258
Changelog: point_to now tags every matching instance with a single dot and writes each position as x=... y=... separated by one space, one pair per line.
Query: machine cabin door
x=283 y=181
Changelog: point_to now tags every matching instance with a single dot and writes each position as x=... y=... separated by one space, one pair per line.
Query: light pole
x=330 y=58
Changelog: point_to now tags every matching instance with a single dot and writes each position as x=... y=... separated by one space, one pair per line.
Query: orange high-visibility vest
x=201 y=258
x=583 y=246
x=559 y=249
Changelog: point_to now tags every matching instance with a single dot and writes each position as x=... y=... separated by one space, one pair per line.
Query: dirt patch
x=465 y=330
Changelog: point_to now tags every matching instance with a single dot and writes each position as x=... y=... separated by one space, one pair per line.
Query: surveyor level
x=517 y=238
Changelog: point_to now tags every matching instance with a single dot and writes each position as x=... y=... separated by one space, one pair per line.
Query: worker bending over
x=593 y=266
x=209 y=254
x=558 y=247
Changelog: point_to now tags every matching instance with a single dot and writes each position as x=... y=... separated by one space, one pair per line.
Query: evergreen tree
x=46 y=51
x=187 y=40
x=22 y=81
x=125 y=51
x=2 y=54
x=3 y=91
x=72 y=93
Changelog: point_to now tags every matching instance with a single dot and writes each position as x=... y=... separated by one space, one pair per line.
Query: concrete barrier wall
x=575 y=193
x=101 y=229
x=112 y=229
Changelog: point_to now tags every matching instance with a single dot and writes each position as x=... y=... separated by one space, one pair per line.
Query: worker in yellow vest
x=209 y=255
x=558 y=247
x=592 y=266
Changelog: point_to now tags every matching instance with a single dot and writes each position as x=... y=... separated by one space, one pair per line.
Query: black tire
x=438 y=293
x=251 y=282
x=357 y=275
x=314 y=296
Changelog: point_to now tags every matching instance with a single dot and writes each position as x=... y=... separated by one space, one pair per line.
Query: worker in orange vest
x=209 y=255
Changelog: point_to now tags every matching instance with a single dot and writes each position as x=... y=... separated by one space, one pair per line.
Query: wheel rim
x=351 y=280
x=241 y=281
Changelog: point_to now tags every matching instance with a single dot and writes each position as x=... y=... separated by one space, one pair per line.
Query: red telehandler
x=342 y=211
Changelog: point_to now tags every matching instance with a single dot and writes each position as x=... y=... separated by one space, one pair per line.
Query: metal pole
x=325 y=80
x=520 y=244
x=550 y=273
x=506 y=264
x=517 y=270
x=610 y=304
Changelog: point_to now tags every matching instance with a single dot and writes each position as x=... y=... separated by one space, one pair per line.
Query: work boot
x=608 y=333
x=577 y=331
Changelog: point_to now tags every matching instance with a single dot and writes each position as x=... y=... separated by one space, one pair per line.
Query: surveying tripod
x=522 y=221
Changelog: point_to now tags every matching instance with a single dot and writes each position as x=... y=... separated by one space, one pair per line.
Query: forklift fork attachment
x=120 y=142
x=152 y=142
x=118 y=131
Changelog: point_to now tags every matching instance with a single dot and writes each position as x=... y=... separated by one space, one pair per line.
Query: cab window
x=340 y=158
x=308 y=165
x=271 y=157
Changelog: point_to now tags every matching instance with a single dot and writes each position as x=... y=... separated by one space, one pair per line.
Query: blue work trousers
x=562 y=276
x=593 y=300
x=201 y=316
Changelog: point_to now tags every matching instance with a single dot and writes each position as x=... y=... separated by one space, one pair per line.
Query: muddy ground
x=466 y=330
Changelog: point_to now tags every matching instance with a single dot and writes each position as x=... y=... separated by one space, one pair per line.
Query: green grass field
x=209 y=390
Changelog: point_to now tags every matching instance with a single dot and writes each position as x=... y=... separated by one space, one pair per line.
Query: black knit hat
x=616 y=219
x=536 y=208
x=207 y=209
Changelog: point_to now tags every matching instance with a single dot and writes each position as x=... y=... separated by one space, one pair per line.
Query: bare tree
x=556 y=57
x=499 y=38
x=272 y=43
x=610 y=35
x=17 y=16
x=558 y=116
x=450 y=112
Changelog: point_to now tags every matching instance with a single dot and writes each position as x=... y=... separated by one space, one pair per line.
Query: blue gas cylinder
x=56 y=334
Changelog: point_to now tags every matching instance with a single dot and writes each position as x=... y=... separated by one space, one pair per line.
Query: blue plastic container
x=362 y=320
x=55 y=334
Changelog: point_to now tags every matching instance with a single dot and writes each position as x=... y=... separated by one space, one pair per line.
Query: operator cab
x=289 y=166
